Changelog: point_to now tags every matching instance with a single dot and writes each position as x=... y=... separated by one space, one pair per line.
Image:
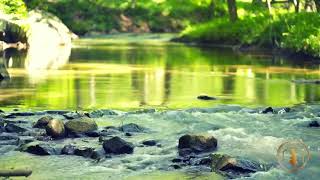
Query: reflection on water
x=104 y=73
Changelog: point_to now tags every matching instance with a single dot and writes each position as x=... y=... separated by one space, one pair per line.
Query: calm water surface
x=129 y=72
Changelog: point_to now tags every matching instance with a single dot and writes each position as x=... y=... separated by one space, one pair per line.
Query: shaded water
x=130 y=72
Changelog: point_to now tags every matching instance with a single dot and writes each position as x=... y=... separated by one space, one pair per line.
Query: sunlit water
x=128 y=74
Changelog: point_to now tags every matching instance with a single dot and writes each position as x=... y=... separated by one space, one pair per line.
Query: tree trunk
x=317 y=3
x=133 y=4
x=232 y=8
x=296 y=5
x=212 y=7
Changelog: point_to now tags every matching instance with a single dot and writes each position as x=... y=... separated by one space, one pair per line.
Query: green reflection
x=128 y=74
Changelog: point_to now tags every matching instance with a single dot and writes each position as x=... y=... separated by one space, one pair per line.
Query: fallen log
x=15 y=172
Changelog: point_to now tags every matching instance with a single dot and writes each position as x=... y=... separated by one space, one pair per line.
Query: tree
x=212 y=7
x=317 y=3
x=232 y=8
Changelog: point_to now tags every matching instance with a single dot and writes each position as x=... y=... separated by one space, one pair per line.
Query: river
x=131 y=72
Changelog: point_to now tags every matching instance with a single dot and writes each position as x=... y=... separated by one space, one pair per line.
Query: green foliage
x=15 y=8
x=243 y=31
x=301 y=32
x=298 y=32
x=83 y=16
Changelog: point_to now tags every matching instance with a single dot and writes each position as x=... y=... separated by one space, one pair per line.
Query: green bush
x=15 y=8
x=299 y=32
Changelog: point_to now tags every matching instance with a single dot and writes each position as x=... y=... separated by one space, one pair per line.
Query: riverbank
x=291 y=33
x=78 y=143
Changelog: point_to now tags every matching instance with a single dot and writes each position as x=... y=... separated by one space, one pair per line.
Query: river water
x=131 y=72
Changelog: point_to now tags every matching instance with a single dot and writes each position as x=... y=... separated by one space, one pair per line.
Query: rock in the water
x=82 y=125
x=267 y=110
x=14 y=128
x=22 y=114
x=102 y=112
x=68 y=149
x=55 y=128
x=142 y=111
x=39 y=149
x=73 y=115
x=84 y=151
x=235 y=167
x=93 y=134
x=117 y=145
x=81 y=151
x=149 y=142
x=205 y=97
x=196 y=144
x=60 y=112
x=314 y=124
x=132 y=128
x=42 y=122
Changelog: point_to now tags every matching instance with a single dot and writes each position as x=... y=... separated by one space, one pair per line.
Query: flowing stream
x=132 y=72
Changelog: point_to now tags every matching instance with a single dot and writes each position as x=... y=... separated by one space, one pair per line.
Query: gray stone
x=14 y=128
x=117 y=145
x=132 y=128
x=38 y=148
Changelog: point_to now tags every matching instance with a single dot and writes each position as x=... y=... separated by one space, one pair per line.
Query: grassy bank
x=294 y=32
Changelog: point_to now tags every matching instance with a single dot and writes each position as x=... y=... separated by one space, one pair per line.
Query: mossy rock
x=82 y=125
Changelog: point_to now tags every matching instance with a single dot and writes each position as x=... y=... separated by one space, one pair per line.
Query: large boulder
x=42 y=122
x=55 y=128
x=196 y=144
x=117 y=145
x=79 y=126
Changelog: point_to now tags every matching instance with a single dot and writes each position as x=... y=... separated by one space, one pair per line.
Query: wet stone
x=55 y=128
x=117 y=145
x=205 y=97
x=132 y=128
x=39 y=149
x=73 y=115
x=82 y=125
x=42 y=122
x=142 y=111
x=59 y=112
x=22 y=114
x=235 y=167
x=314 y=124
x=149 y=142
x=14 y=128
x=68 y=149
x=84 y=151
x=102 y=112
x=196 y=144
x=93 y=134
x=267 y=110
